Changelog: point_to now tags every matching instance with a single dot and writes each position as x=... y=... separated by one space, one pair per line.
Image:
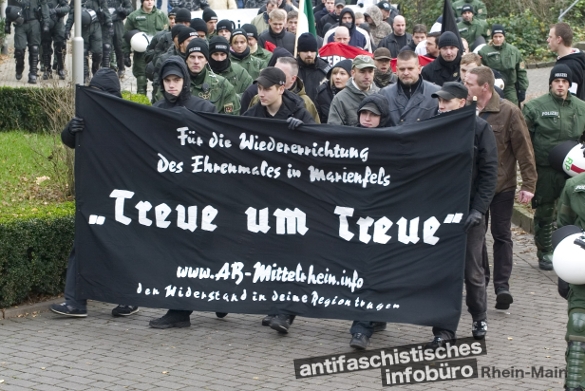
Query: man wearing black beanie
x=255 y=50
x=551 y=119
x=312 y=69
x=445 y=67
x=219 y=60
x=210 y=18
x=200 y=26
x=205 y=83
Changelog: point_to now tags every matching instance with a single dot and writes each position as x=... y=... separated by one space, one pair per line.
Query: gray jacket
x=344 y=106
x=419 y=107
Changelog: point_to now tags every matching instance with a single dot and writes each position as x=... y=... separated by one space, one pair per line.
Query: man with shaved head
x=341 y=35
x=398 y=39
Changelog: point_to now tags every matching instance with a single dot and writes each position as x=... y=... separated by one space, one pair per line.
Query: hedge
x=33 y=254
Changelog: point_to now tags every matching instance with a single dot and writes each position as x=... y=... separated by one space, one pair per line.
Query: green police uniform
x=264 y=56
x=250 y=63
x=149 y=23
x=551 y=120
x=572 y=212
x=473 y=30
x=217 y=90
x=238 y=77
x=91 y=32
x=119 y=10
x=479 y=8
x=34 y=13
x=508 y=60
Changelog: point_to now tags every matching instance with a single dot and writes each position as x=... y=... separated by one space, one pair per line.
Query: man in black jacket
x=398 y=39
x=276 y=33
x=312 y=69
x=105 y=79
x=445 y=67
x=483 y=186
x=560 y=40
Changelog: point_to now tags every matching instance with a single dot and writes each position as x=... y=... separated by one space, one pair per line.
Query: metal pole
x=3 y=15
x=77 y=45
x=567 y=10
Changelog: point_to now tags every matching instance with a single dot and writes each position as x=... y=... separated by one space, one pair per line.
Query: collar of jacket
x=493 y=105
x=560 y=101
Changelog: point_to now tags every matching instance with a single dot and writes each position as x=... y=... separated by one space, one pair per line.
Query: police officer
x=572 y=212
x=219 y=60
x=56 y=35
x=552 y=118
x=507 y=59
x=147 y=19
x=472 y=29
x=94 y=14
x=29 y=33
x=119 y=10
x=479 y=8
x=205 y=83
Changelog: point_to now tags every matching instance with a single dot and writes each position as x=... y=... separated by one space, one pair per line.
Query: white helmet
x=139 y=42
x=569 y=255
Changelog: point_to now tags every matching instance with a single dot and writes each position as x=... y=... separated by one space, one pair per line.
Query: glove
x=473 y=219
x=563 y=288
x=7 y=28
x=521 y=96
x=76 y=125
x=127 y=61
x=293 y=123
x=46 y=28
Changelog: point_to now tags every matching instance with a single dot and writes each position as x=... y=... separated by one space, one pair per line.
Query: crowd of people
x=361 y=69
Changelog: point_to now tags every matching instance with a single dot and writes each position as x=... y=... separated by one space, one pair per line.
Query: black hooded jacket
x=284 y=39
x=312 y=75
x=292 y=106
x=576 y=62
x=382 y=104
x=356 y=39
x=105 y=79
x=185 y=99
x=441 y=71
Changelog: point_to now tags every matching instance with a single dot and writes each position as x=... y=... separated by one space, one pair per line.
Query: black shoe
x=124 y=310
x=32 y=79
x=18 y=76
x=47 y=75
x=266 y=320
x=170 y=320
x=438 y=342
x=221 y=314
x=479 y=329
x=379 y=326
x=359 y=341
x=545 y=264
x=503 y=299
x=67 y=310
x=61 y=74
x=281 y=323
x=121 y=74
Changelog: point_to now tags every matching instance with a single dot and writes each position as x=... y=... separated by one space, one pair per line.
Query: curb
x=523 y=219
x=26 y=310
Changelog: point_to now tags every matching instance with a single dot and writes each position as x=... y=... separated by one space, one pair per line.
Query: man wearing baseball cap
x=389 y=12
x=453 y=96
x=551 y=119
x=383 y=74
x=206 y=84
x=344 y=106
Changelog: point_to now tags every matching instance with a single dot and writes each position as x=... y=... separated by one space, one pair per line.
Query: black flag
x=450 y=22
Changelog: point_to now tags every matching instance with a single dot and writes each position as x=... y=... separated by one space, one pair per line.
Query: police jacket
x=344 y=106
x=479 y=8
x=473 y=30
x=392 y=44
x=60 y=7
x=149 y=23
x=119 y=9
x=283 y=39
x=238 y=77
x=250 y=63
x=100 y=7
x=513 y=142
x=508 y=60
x=552 y=120
x=420 y=106
x=576 y=62
x=312 y=75
x=263 y=55
x=185 y=99
x=292 y=106
x=440 y=71
x=217 y=90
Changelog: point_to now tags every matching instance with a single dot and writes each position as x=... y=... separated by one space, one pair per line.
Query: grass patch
x=30 y=180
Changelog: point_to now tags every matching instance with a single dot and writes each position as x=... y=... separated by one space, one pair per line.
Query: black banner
x=182 y=210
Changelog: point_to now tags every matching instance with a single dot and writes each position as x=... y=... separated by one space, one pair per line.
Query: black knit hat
x=466 y=8
x=560 y=71
x=448 y=38
x=498 y=29
x=177 y=29
x=307 y=43
x=198 y=24
x=183 y=15
x=173 y=12
x=198 y=45
x=185 y=34
x=237 y=32
x=219 y=44
x=251 y=30
x=225 y=24
x=209 y=14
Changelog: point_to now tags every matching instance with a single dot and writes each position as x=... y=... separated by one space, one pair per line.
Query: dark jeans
x=475 y=286
x=70 y=284
x=501 y=214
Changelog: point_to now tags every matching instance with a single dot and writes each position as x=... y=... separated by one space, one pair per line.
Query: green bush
x=136 y=98
x=33 y=255
x=21 y=109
